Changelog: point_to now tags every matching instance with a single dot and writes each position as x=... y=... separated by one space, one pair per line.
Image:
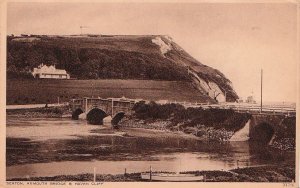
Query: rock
x=190 y=130
x=107 y=120
x=82 y=116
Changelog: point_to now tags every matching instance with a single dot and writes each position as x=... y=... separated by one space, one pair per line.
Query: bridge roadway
x=113 y=106
x=263 y=126
x=254 y=109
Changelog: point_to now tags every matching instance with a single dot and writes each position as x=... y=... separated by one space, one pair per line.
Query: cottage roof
x=48 y=70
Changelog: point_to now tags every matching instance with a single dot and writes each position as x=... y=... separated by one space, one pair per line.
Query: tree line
x=90 y=63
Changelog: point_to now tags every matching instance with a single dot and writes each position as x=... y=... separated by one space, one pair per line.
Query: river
x=39 y=147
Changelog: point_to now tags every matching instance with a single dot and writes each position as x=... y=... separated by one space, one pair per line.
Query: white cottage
x=44 y=71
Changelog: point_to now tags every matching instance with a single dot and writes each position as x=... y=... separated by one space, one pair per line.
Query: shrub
x=191 y=117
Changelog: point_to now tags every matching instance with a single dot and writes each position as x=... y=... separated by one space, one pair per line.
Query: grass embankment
x=209 y=124
x=249 y=174
x=49 y=91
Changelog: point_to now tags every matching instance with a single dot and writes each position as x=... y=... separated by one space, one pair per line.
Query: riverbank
x=161 y=126
x=208 y=125
x=249 y=174
x=146 y=133
x=40 y=112
x=281 y=141
x=200 y=132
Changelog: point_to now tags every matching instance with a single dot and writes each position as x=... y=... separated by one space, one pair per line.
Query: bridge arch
x=95 y=116
x=262 y=132
x=76 y=113
x=117 y=118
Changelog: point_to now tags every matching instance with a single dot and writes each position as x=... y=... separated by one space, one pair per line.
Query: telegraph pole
x=82 y=27
x=112 y=107
x=261 y=89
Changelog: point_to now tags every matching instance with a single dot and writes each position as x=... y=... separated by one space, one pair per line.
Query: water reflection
x=79 y=151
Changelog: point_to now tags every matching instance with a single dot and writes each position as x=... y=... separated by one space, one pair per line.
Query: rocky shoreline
x=202 y=132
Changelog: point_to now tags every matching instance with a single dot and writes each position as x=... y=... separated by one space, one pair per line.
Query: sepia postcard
x=149 y=93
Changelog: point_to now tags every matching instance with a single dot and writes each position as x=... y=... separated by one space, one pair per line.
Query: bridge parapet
x=252 y=109
x=111 y=106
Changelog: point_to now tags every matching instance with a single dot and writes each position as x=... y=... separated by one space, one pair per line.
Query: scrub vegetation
x=109 y=57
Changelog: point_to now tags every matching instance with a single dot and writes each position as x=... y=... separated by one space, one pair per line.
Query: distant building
x=44 y=71
x=26 y=39
x=162 y=101
x=250 y=100
x=240 y=100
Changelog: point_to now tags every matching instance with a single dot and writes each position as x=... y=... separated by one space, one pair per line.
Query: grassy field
x=48 y=91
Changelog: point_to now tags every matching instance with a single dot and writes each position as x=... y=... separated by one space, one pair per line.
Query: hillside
x=116 y=57
x=44 y=91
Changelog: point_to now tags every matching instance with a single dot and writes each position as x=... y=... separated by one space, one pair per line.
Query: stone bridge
x=100 y=108
x=264 y=127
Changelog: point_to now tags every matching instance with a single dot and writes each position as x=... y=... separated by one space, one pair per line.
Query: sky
x=239 y=39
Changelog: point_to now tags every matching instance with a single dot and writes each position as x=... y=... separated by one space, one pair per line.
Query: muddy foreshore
x=32 y=153
x=248 y=174
x=200 y=132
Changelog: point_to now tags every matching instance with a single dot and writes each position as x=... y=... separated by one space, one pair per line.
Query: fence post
x=94 y=174
x=112 y=107
x=86 y=105
x=150 y=173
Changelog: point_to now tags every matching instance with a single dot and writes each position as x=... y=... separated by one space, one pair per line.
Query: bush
x=287 y=128
x=89 y=62
x=155 y=111
x=19 y=74
x=217 y=118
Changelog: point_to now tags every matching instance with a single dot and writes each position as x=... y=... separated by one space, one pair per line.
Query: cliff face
x=116 y=57
x=207 y=80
